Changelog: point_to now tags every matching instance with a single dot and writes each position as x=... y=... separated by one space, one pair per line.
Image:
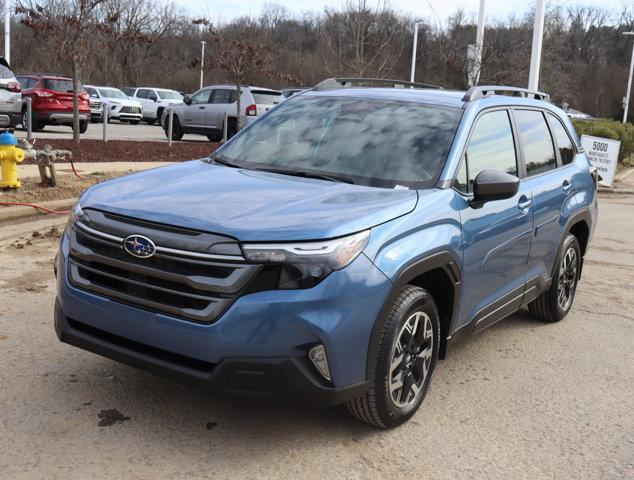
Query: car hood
x=248 y=205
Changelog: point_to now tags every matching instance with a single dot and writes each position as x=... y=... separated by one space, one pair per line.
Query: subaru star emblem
x=139 y=246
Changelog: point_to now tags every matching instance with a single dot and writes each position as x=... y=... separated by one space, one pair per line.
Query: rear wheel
x=554 y=304
x=35 y=125
x=405 y=361
x=83 y=126
x=177 y=130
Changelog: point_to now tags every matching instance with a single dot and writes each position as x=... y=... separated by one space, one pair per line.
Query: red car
x=52 y=101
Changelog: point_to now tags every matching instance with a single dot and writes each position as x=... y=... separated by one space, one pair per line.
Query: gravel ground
x=521 y=400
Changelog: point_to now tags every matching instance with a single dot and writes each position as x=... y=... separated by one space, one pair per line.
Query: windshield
x=169 y=95
x=112 y=93
x=370 y=142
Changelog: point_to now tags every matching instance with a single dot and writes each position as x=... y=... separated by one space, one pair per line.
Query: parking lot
x=521 y=400
x=116 y=131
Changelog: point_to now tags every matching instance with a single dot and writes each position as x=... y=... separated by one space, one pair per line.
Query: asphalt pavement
x=116 y=131
x=522 y=400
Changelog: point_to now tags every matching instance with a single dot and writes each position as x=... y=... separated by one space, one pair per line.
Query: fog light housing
x=317 y=355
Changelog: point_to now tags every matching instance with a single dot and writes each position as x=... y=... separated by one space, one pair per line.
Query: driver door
x=194 y=115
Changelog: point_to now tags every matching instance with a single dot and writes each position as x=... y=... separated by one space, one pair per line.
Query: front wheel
x=404 y=363
x=554 y=304
x=83 y=126
x=177 y=130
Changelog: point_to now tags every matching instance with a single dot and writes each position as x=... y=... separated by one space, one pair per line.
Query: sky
x=223 y=10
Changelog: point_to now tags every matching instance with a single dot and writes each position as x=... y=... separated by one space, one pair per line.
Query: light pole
x=7 y=31
x=414 y=45
x=202 y=61
x=475 y=51
x=536 y=51
x=626 y=98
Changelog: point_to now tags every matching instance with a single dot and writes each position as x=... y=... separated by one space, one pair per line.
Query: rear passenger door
x=548 y=175
x=222 y=101
x=496 y=235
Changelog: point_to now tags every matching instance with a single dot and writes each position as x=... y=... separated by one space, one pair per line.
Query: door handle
x=524 y=203
x=201 y=108
x=566 y=187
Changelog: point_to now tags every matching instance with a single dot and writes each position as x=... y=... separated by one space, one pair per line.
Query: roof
x=449 y=98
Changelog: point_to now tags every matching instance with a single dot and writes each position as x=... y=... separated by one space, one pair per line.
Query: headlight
x=75 y=215
x=305 y=264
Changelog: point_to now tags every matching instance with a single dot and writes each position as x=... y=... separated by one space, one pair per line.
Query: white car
x=121 y=107
x=153 y=100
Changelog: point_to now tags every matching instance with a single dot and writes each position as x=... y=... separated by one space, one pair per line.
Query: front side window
x=566 y=150
x=367 y=141
x=539 y=153
x=200 y=97
x=491 y=147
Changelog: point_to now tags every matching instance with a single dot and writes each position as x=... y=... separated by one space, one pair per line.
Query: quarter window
x=566 y=150
x=491 y=147
x=539 y=153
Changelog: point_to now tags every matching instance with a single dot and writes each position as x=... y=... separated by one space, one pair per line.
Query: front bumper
x=258 y=347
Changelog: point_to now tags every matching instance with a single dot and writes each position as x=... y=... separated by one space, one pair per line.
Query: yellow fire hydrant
x=10 y=156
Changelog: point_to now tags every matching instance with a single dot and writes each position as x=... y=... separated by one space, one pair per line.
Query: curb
x=615 y=191
x=14 y=213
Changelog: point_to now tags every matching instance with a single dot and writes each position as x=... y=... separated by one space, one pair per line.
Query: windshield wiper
x=221 y=161
x=302 y=173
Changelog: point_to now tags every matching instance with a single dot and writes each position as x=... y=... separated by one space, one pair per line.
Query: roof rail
x=348 y=82
x=481 y=91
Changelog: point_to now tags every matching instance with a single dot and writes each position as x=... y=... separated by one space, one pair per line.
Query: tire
x=83 y=126
x=35 y=125
x=134 y=122
x=214 y=138
x=159 y=115
x=383 y=406
x=554 y=304
x=150 y=121
x=177 y=130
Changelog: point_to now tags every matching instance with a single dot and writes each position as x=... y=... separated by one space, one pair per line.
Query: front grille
x=95 y=105
x=130 y=110
x=191 y=284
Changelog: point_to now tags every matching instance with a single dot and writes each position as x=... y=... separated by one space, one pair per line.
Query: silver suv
x=10 y=96
x=204 y=112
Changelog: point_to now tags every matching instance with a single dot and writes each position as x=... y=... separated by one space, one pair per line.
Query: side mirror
x=187 y=100
x=154 y=99
x=493 y=185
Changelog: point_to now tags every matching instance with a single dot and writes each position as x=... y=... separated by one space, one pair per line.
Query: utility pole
x=202 y=62
x=415 y=44
x=7 y=31
x=626 y=98
x=474 y=53
x=536 y=51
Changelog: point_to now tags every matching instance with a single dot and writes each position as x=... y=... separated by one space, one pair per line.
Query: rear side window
x=222 y=96
x=491 y=147
x=266 y=98
x=539 y=153
x=59 y=85
x=566 y=150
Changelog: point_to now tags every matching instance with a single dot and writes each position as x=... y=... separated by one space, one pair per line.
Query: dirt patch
x=31 y=281
x=68 y=186
x=110 y=417
x=129 y=151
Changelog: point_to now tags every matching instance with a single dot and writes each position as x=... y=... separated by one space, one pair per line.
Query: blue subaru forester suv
x=334 y=249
